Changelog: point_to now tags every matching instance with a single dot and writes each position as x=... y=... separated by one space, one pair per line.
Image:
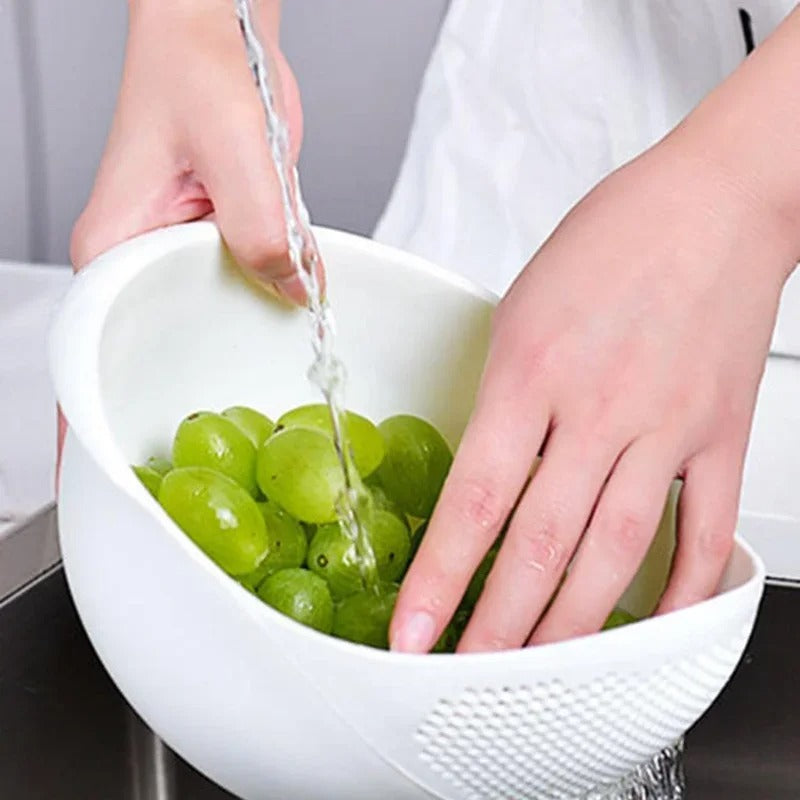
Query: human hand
x=630 y=349
x=188 y=140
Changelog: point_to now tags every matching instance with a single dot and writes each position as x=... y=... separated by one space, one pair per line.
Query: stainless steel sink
x=67 y=734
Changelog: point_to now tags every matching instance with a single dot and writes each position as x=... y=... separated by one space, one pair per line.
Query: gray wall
x=358 y=63
x=14 y=212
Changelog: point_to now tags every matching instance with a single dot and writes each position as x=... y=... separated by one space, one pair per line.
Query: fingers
x=235 y=164
x=488 y=473
x=544 y=532
x=177 y=153
x=707 y=513
x=615 y=544
x=233 y=158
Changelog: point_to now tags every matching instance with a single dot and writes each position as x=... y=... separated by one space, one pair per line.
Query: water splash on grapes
x=327 y=371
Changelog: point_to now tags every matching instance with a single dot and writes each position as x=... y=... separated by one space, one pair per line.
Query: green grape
x=415 y=465
x=301 y=595
x=332 y=554
x=364 y=617
x=218 y=515
x=210 y=440
x=287 y=545
x=391 y=544
x=299 y=469
x=473 y=593
x=448 y=641
x=161 y=465
x=380 y=499
x=451 y=635
x=617 y=618
x=366 y=443
x=414 y=523
x=416 y=539
x=289 y=538
x=257 y=427
x=150 y=478
x=310 y=529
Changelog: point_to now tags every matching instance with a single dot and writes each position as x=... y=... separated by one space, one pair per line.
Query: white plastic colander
x=164 y=325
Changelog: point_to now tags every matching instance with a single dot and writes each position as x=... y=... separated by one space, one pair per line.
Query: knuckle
x=482 y=506
x=249 y=116
x=536 y=360
x=593 y=438
x=716 y=543
x=533 y=359
x=541 y=548
x=263 y=250
x=726 y=404
x=628 y=530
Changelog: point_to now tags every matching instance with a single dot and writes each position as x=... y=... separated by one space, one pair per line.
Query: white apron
x=526 y=104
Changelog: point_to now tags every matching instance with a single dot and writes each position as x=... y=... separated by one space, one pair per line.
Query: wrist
x=728 y=187
x=739 y=180
x=746 y=136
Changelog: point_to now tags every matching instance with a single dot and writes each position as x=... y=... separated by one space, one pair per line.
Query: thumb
x=138 y=188
x=233 y=160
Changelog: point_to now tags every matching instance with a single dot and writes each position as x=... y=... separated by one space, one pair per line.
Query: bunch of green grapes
x=260 y=499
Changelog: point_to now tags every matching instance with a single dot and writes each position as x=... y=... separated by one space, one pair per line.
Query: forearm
x=749 y=129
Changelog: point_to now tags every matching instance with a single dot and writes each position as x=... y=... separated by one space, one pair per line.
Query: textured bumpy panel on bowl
x=547 y=740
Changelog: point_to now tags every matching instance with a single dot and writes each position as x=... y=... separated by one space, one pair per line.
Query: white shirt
x=526 y=105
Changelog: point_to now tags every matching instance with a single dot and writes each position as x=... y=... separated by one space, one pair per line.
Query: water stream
x=327 y=372
x=659 y=779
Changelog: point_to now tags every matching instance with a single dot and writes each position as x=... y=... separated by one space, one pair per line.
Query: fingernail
x=416 y=635
x=291 y=289
x=272 y=289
